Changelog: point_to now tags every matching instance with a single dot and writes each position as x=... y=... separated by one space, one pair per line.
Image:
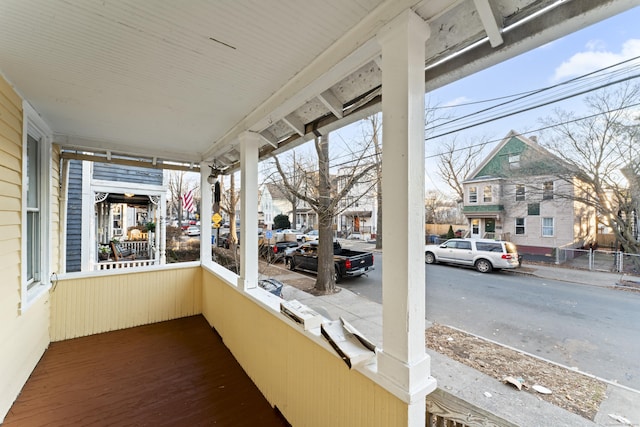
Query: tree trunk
x=325 y=281
x=233 y=235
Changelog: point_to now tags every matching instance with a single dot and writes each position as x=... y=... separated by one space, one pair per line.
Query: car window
x=449 y=244
x=464 y=245
x=489 y=247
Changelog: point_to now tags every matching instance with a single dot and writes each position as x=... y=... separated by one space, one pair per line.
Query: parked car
x=310 y=236
x=483 y=254
x=347 y=263
x=354 y=236
x=225 y=240
x=276 y=251
x=192 y=230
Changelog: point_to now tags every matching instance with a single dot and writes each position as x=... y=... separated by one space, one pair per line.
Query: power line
x=543 y=104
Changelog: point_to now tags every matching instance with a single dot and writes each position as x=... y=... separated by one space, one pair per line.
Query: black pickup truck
x=347 y=263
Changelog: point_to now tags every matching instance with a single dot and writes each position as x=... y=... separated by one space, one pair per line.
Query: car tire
x=429 y=258
x=304 y=240
x=290 y=265
x=484 y=266
x=336 y=275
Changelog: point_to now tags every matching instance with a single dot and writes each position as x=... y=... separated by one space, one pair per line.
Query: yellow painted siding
x=309 y=384
x=91 y=305
x=54 y=219
x=23 y=335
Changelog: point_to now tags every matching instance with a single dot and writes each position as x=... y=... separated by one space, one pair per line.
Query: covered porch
x=230 y=85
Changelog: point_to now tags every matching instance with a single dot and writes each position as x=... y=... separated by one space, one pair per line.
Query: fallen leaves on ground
x=571 y=390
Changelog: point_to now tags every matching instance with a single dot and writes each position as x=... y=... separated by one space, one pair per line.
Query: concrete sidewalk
x=520 y=408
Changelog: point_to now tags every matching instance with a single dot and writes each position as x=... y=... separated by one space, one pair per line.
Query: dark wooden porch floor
x=175 y=373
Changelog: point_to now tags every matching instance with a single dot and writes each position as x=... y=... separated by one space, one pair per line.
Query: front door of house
x=489 y=225
x=475 y=228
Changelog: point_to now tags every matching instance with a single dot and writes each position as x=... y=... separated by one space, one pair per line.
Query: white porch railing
x=140 y=247
x=110 y=265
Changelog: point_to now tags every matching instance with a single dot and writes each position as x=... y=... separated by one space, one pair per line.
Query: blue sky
x=592 y=48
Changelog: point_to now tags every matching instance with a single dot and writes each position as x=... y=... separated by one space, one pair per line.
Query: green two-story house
x=523 y=193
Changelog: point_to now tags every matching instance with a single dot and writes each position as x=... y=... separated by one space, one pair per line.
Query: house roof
x=182 y=80
x=493 y=165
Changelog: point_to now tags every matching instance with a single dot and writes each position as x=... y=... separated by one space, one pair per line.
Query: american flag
x=187 y=201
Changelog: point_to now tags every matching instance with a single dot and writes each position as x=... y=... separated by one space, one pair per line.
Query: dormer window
x=514 y=161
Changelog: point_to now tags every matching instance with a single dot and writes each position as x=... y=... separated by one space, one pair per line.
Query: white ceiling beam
x=268 y=136
x=331 y=101
x=490 y=22
x=294 y=123
x=378 y=61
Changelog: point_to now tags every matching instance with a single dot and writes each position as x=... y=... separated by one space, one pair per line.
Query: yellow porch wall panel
x=23 y=335
x=308 y=383
x=90 y=305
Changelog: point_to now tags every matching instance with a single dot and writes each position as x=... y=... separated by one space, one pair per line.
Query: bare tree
x=374 y=137
x=455 y=162
x=603 y=150
x=296 y=170
x=321 y=197
x=178 y=185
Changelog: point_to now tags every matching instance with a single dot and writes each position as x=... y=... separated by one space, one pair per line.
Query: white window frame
x=548 y=194
x=521 y=196
x=473 y=191
x=34 y=126
x=514 y=161
x=546 y=227
x=487 y=194
x=523 y=226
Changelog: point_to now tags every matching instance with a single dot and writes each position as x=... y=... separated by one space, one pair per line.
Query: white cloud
x=456 y=101
x=594 y=58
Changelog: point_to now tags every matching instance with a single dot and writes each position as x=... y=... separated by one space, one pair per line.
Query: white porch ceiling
x=180 y=80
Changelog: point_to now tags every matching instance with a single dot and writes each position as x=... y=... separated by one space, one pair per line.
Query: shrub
x=281 y=221
x=450 y=233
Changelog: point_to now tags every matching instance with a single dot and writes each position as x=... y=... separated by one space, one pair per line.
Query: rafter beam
x=331 y=101
x=489 y=21
x=268 y=136
x=294 y=123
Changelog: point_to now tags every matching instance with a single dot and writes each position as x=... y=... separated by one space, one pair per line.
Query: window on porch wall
x=33 y=212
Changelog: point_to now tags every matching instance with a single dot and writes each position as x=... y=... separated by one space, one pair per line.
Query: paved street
x=592 y=328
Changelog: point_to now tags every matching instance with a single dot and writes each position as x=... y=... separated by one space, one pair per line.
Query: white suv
x=483 y=254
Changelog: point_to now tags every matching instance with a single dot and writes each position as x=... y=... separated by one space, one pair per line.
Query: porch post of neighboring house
x=249 y=144
x=205 y=214
x=161 y=229
x=89 y=233
x=403 y=359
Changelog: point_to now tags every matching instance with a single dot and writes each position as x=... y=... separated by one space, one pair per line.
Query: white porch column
x=205 y=214
x=249 y=144
x=403 y=359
